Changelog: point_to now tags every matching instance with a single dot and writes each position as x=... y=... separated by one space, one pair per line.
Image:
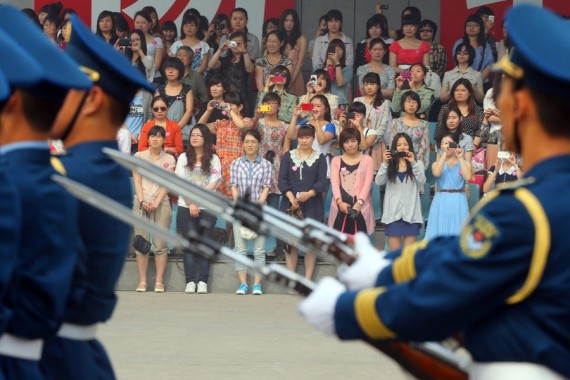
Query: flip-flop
x=141 y=287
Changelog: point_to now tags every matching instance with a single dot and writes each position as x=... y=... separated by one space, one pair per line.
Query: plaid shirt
x=437 y=59
x=250 y=175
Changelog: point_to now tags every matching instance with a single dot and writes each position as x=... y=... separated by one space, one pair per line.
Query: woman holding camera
x=449 y=208
x=351 y=180
x=137 y=53
x=218 y=28
x=404 y=178
x=278 y=83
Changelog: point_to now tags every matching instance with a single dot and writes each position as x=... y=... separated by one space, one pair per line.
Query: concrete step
x=223 y=277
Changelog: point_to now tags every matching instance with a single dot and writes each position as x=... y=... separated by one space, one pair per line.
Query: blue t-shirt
x=135 y=119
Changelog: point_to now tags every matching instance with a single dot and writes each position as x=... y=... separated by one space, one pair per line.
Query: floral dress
x=228 y=147
x=272 y=139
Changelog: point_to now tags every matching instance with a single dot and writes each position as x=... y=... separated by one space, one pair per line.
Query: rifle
x=423 y=360
x=308 y=234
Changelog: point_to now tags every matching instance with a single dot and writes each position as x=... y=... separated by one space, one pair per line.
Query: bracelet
x=337 y=65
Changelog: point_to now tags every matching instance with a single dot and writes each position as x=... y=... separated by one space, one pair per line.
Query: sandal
x=159 y=288
x=141 y=287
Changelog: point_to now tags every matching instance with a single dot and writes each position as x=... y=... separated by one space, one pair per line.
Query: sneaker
x=257 y=290
x=202 y=287
x=242 y=290
x=190 y=288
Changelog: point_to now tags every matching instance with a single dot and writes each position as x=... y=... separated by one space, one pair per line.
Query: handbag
x=140 y=244
x=344 y=225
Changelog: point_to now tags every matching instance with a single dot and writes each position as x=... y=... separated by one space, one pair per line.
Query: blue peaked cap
x=540 y=55
x=59 y=72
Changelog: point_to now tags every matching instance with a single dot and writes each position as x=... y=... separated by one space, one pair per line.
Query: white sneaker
x=202 y=288
x=190 y=288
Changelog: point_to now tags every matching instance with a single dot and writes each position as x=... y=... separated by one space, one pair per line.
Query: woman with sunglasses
x=464 y=56
x=437 y=53
x=173 y=135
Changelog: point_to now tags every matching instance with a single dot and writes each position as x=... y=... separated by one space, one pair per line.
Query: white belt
x=78 y=332
x=511 y=370
x=21 y=348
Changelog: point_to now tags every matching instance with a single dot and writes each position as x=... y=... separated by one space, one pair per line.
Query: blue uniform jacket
x=504 y=282
x=10 y=215
x=48 y=244
x=92 y=298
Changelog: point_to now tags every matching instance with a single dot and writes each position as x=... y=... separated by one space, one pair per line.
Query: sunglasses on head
x=156 y=109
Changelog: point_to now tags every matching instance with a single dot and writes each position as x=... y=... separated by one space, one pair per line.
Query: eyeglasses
x=426 y=30
x=462 y=52
x=156 y=109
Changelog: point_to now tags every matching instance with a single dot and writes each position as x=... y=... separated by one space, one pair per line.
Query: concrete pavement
x=224 y=336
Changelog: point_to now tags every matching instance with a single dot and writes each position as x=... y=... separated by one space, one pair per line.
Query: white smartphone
x=492 y=19
x=503 y=155
x=313 y=80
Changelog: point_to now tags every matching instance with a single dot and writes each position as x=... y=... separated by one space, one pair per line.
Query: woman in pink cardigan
x=351 y=181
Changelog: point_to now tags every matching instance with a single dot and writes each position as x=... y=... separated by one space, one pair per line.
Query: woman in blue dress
x=302 y=180
x=449 y=208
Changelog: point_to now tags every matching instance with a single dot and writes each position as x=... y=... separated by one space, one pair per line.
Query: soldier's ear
x=94 y=101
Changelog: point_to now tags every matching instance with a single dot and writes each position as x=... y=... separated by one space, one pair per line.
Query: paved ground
x=224 y=336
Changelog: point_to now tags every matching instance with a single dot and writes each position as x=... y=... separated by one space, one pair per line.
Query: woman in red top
x=408 y=50
x=173 y=140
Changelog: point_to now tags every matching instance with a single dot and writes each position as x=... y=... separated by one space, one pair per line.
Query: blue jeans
x=241 y=247
x=184 y=223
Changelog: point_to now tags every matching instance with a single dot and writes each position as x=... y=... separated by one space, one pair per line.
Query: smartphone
x=278 y=79
x=306 y=106
x=452 y=144
x=492 y=19
x=313 y=80
x=503 y=155
x=124 y=42
x=350 y=116
x=406 y=74
x=264 y=108
x=384 y=6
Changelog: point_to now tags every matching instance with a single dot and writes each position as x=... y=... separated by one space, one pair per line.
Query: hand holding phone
x=313 y=80
x=406 y=74
x=278 y=79
x=264 y=108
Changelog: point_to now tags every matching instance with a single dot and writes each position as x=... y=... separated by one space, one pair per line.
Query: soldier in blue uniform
x=10 y=210
x=48 y=246
x=87 y=123
x=505 y=281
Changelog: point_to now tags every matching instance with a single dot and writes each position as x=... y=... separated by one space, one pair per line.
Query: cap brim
x=506 y=66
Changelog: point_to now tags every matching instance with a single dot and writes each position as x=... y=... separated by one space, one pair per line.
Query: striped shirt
x=250 y=176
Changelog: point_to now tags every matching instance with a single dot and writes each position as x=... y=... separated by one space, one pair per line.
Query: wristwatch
x=360 y=202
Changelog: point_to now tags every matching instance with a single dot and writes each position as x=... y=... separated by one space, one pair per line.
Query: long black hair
x=325 y=102
x=129 y=53
x=291 y=37
x=394 y=163
x=444 y=130
x=375 y=79
x=481 y=40
x=207 y=153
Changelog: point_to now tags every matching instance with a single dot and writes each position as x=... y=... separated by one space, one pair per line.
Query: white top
x=155 y=44
x=377 y=118
x=124 y=140
x=320 y=50
x=200 y=50
x=489 y=103
x=196 y=176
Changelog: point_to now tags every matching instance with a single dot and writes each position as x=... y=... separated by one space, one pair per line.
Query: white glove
x=364 y=272
x=318 y=307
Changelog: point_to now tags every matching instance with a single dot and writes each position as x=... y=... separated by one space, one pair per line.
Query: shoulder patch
x=58 y=166
x=478 y=237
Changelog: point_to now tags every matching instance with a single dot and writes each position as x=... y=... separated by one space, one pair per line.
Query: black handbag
x=140 y=244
